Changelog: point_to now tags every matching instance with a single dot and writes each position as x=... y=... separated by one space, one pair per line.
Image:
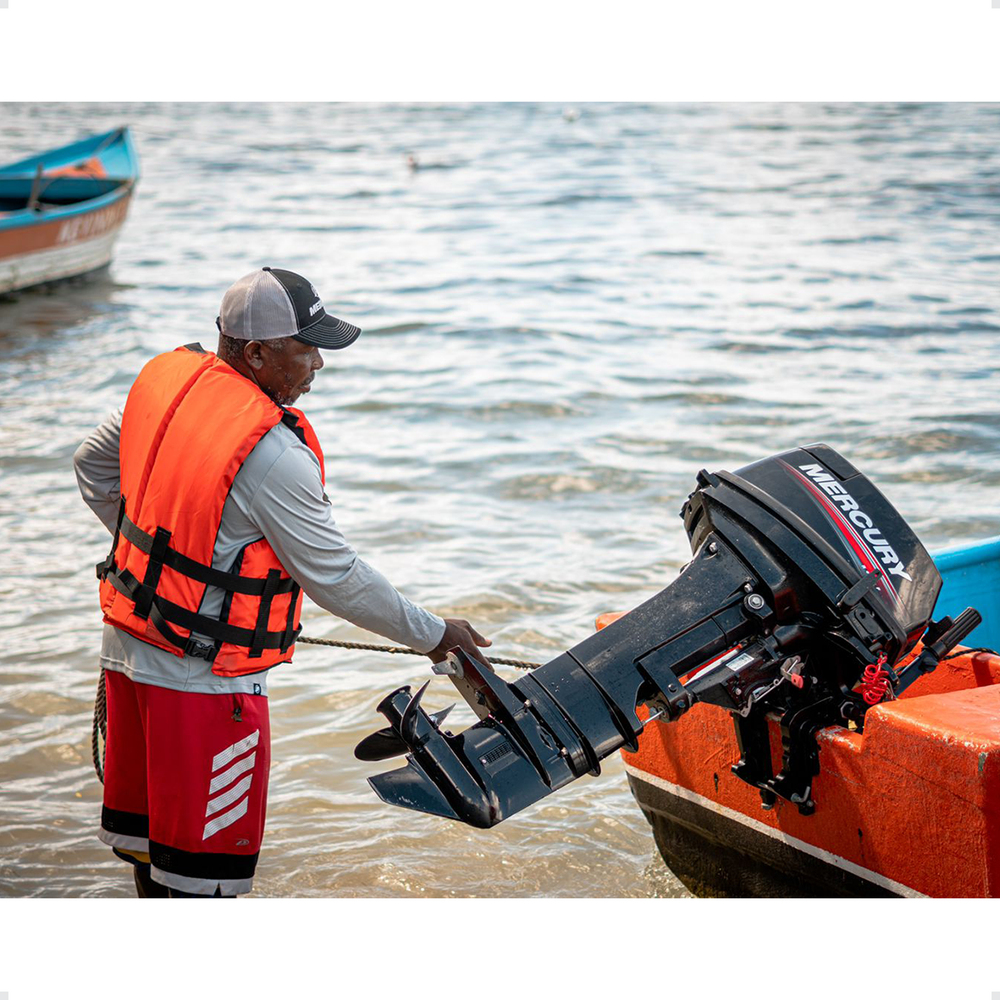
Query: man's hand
x=458 y=632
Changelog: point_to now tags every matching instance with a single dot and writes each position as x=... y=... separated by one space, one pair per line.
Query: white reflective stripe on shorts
x=221 y=780
x=228 y=798
x=226 y=819
x=230 y=753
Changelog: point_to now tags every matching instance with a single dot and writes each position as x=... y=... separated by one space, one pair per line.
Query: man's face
x=288 y=367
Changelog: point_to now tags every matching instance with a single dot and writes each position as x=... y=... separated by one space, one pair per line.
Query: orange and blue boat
x=908 y=807
x=62 y=210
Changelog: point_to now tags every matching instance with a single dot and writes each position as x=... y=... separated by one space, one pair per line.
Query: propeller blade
x=408 y=724
x=386 y=743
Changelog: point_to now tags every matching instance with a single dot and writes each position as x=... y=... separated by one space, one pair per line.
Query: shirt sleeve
x=292 y=511
x=98 y=472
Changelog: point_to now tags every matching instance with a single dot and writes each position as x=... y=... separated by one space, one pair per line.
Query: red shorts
x=185 y=781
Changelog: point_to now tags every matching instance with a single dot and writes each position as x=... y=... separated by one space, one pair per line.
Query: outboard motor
x=805 y=591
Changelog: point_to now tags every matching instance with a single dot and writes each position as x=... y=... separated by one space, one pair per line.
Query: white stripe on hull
x=53 y=263
x=799 y=845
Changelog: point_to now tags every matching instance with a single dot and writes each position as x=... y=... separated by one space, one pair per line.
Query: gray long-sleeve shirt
x=278 y=494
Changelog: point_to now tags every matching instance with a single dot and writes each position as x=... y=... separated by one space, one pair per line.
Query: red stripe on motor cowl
x=859 y=548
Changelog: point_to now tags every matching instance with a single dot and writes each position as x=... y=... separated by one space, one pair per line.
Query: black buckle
x=201 y=650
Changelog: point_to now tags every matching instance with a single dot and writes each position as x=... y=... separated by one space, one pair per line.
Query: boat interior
x=20 y=193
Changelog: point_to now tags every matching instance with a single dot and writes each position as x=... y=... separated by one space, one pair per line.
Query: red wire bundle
x=875 y=682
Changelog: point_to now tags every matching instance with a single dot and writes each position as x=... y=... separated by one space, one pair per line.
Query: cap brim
x=329 y=333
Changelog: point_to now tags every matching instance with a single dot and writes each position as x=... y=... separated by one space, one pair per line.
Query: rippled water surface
x=564 y=321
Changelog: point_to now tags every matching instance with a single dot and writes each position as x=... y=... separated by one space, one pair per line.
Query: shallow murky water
x=564 y=321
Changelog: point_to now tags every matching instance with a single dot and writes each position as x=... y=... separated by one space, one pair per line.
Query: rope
x=968 y=652
x=100 y=730
x=99 y=733
x=520 y=664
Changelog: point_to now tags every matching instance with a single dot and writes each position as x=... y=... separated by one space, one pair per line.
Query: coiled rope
x=99 y=733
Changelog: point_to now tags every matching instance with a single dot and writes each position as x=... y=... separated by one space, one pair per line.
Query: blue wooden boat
x=61 y=210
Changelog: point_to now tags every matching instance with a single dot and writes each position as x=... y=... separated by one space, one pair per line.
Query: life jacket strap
x=264 y=612
x=290 y=630
x=189 y=645
x=199 y=571
x=154 y=567
x=106 y=564
x=164 y=613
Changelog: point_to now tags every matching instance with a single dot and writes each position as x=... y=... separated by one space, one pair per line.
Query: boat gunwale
x=76 y=152
x=961 y=556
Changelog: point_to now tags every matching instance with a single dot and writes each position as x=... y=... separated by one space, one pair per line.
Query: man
x=213 y=487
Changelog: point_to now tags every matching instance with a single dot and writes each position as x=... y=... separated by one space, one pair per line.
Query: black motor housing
x=822 y=500
x=803 y=573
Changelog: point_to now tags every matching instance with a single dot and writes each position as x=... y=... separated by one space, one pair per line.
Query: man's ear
x=252 y=354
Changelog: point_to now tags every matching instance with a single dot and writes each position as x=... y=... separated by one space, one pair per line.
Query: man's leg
x=208 y=762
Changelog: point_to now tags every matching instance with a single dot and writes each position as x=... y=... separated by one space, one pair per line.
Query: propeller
x=386 y=743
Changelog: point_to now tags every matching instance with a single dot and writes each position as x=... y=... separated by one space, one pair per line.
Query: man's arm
x=295 y=516
x=98 y=472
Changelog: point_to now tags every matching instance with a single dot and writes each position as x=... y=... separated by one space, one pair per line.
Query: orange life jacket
x=189 y=423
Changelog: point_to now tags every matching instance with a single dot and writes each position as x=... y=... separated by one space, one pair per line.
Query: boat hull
x=63 y=247
x=716 y=851
x=909 y=807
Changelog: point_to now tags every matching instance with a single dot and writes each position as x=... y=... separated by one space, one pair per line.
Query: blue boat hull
x=971 y=575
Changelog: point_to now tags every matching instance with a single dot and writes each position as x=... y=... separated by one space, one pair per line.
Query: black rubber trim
x=207 y=866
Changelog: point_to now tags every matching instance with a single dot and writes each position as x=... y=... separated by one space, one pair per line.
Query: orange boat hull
x=909 y=807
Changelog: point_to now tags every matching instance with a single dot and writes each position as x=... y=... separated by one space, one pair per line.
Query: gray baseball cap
x=273 y=302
